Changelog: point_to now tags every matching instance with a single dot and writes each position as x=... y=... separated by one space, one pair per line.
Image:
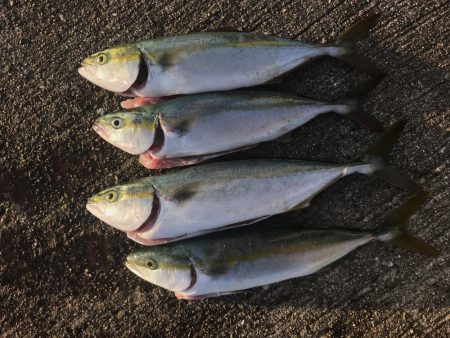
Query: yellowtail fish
x=216 y=196
x=211 y=61
x=191 y=129
x=229 y=261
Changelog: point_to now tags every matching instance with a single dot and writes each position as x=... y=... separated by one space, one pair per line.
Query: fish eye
x=111 y=196
x=101 y=58
x=151 y=264
x=116 y=123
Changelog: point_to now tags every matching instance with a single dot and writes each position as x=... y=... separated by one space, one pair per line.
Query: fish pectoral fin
x=218 y=268
x=165 y=59
x=180 y=128
x=168 y=59
x=184 y=193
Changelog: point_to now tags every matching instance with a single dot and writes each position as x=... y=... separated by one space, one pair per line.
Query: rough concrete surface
x=62 y=271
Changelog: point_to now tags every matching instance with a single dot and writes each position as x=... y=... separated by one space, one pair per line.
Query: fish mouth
x=83 y=71
x=94 y=208
x=103 y=132
x=132 y=267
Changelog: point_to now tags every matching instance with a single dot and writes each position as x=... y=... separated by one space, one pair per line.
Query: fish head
x=125 y=207
x=115 y=69
x=166 y=266
x=131 y=131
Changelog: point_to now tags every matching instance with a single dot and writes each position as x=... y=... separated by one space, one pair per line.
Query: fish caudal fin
x=355 y=112
x=352 y=35
x=378 y=154
x=359 y=29
x=354 y=109
x=394 y=230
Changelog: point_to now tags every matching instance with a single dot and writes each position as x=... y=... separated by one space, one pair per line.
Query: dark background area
x=62 y=270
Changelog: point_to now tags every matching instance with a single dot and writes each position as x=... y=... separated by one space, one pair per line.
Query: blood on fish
x=139 y=102
x=150 y=162
x=134 y=235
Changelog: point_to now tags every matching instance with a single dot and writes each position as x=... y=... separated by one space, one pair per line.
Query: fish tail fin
x=359 y=29
x=377 y=156
x=394 y=230
x=353 y=109
x=352 y=35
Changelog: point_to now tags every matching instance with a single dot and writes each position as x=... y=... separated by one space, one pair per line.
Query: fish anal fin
x=275 y=80
x=301 y=205
x=305 y=203
x=286 y=138
x=180 y=295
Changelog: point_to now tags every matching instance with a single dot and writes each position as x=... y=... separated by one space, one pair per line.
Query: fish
x=213 y=61
x=217 y=196
x=231 y=261
x=191 y=129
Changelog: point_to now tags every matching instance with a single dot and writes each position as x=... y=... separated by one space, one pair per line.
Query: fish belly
x=220 y=68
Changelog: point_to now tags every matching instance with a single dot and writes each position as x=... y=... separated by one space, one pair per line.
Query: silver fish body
x=213 y=61
x=192 y=128
x=219 y=122
x=219 y=195
x=229 y=261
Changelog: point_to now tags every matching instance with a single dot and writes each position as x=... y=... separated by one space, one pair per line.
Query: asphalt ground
x=62 y=271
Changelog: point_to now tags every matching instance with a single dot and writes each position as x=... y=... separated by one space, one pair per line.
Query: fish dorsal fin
x=223 y=29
